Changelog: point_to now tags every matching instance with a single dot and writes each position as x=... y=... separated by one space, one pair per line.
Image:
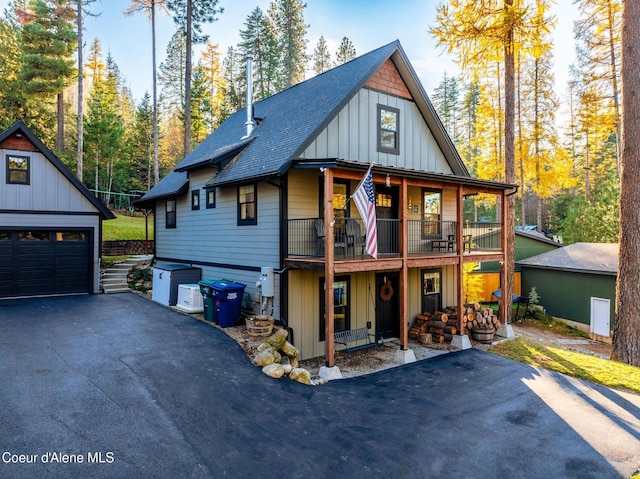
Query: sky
x=369 y=24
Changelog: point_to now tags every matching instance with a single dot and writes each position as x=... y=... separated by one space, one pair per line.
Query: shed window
x=170 y=220
x=195 y=200
x=388 y=130
x=211 y=197
x=247 y=205
x=17 y=170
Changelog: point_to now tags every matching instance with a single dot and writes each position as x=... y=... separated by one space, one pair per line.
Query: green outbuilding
x=576 y=283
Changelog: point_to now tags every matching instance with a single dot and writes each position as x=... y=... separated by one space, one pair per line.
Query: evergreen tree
x=234 y=83
x=172 y=71
x=189 y=15
x=346 y=52
x=288 y=18
x=12 y=95
x=321 y=57
x=141 y=146
x=446 y=98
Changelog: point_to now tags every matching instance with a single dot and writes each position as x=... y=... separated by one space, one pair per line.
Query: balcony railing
x=306 y=237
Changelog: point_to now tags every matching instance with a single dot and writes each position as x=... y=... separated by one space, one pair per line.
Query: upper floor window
x=170 y=213
x=388 y=130
x=211 y=197
x=247 y=205
x=431 y=212
x=195 y=200
x=17 y=170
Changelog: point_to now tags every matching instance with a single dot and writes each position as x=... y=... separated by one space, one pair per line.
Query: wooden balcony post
x=460 y=249
x=328 y=268
x=404 y=273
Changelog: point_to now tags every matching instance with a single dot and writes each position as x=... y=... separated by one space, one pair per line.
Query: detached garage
x=50 y=223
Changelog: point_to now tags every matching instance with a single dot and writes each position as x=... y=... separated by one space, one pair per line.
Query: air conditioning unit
x=190 y=298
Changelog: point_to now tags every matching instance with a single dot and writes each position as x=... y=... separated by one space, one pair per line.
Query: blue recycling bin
x=228 y=301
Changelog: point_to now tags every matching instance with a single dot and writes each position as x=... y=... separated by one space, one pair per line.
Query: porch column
x=460 y=249
x=505 y=303
x=328 y=268
x=404 y=273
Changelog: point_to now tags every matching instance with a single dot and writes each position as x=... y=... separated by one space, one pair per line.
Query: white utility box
x=190 y=298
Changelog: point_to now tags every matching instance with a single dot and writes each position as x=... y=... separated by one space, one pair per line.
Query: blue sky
x=367 y=23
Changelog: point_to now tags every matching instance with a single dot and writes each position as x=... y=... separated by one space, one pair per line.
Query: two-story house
x=273 y=189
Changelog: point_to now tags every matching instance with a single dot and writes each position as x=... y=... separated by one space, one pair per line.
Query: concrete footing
x=505 y=331
x=330 y=373
x=405 y=356
x=461 y=341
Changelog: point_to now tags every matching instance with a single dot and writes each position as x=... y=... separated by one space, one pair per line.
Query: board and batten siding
x=49 y=190
x=214 y=236
x=352 y=135
x=304 y=303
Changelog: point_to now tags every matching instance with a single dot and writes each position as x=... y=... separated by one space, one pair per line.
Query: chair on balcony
x=339 y=239
x=451 y=240
x=354 y=236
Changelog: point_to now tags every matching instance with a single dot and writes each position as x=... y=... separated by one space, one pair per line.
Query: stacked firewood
x=476 y=317
x=435 y=327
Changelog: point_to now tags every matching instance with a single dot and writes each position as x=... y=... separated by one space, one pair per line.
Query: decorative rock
x=290 y=350
x=301 y=375
x=264 y=358
x=294 y=362
x=274 y=370
x=278 y=338
x=287 y=368
x=285 y=360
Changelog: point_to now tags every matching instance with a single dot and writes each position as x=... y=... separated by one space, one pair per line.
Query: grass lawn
x=609 y=373
x=126 y=228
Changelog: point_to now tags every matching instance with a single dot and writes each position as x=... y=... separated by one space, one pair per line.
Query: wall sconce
x=387 y=181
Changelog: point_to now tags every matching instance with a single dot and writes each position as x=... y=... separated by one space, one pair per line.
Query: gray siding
x=48 y=190
x=352 y=135
x=213 y=235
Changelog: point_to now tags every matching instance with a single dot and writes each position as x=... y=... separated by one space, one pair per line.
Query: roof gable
x=19 y=137
x=290 y=120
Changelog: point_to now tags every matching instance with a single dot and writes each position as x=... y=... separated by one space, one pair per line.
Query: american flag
x=366 y=204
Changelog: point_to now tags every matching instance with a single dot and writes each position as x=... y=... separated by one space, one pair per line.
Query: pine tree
x=12 y=96
x=172 y=71
x=213 y=84
x=234 y=83
x=190 y=15
x=288 y=18
x=321 y=57
x=346 y=52
x=445 y=98
x=141 y=146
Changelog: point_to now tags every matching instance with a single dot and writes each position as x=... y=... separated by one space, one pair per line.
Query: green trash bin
x=209 y=299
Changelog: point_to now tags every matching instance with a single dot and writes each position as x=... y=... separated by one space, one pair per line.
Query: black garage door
x=39 y=262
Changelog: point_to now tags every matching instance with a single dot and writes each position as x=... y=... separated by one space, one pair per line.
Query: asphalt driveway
x=118 y=386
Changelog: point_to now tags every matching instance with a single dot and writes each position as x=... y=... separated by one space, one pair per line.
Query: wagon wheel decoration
x=386 y=291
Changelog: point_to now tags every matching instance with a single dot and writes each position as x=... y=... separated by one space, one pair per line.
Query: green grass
x=609 y=373
x=546 y=322
x=126 y=228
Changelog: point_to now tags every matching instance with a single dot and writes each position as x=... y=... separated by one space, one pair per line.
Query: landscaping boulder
x=274 y=370
x=301 y=375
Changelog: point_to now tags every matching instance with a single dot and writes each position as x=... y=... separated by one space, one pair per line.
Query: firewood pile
x=476 y=317
x=439 y=327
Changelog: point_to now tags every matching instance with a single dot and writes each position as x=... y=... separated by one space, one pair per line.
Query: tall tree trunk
x=523 y=220
x=509 y=170
x=156 y=165
x=187 y=81
x=614 y=83
x=80 y=107
x=60 y=140
x=626 y=332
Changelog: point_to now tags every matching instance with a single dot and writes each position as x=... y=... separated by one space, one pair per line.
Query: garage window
x=5 y=236
x=33 y=236
x=70 y=236
x=17 y=170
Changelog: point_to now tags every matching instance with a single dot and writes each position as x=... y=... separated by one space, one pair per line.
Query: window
x=432 y=207
x=341 y=317
x=247 y=205
x=340 y=199
x=170 y=220
x=388 y=130
x=17 y=170
x=211 y=197
x=195 y=200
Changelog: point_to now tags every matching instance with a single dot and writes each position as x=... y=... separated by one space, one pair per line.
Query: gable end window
x=248 y=205
x=170 y=220
x=211 y=197
x=388 y=130
x=195 y=200
x=18 y=170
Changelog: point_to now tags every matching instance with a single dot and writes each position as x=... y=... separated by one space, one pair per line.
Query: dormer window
x=388 y=130
x=17 y=170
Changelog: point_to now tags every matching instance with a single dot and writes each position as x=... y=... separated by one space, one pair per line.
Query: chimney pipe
x=249 y=123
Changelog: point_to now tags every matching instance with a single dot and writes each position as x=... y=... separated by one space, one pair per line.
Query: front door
x=386 y=213
x=387 y=305
x=431 y=290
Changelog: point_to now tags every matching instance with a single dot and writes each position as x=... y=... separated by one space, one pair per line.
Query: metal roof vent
x=249 y=123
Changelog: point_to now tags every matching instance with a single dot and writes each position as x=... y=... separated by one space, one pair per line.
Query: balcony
x=306 y=238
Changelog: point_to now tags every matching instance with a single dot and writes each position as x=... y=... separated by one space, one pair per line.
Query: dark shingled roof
x=599 y=258
x=289 y=121
x=20 y=127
